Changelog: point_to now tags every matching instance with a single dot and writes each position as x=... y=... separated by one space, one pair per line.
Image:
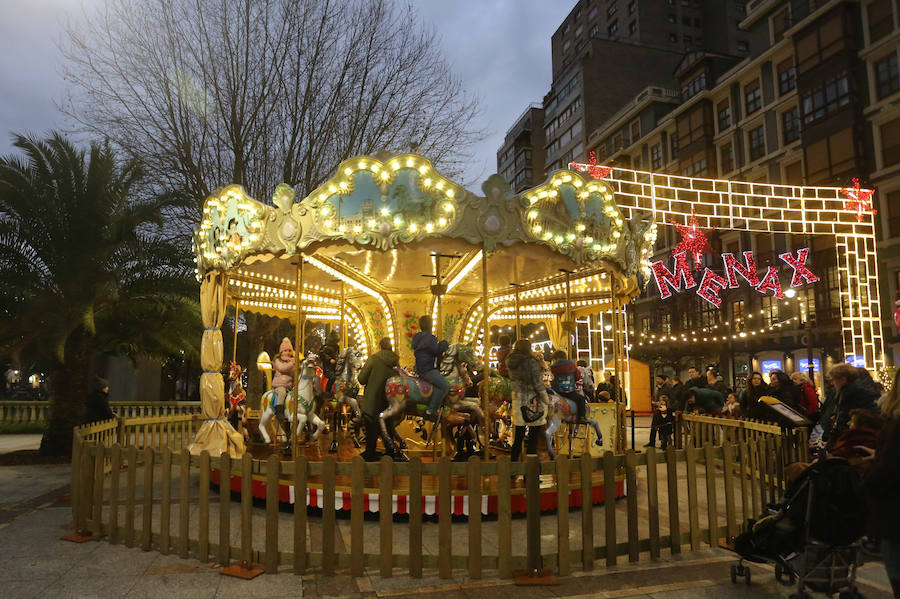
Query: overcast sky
x=499 y=48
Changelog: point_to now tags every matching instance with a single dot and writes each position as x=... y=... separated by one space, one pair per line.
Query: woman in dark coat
x=784 y=389
x=882 y=485
x=329 y=354
x=855 y=390
x=377 y=370
x=756 y=388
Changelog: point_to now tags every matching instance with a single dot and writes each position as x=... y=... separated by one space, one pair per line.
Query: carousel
x=388 y=240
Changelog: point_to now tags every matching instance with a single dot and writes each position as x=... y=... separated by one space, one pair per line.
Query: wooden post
x=587 y=512
x=674 y=516
x=116 y=466
x=130 y=495
x=224 y=509
x=184 y=506
x=562 y=515
x=474 y=476
x=329 y=466
x=693 y=516
x=147 y=520
x=445 y=532
x=246 y=509
x=712 y=511
x=533 y=512
x=653 y=503
x=300 y=494
x=609 y=504
x=386 y=515
x=273 y=469
x=203 y=501
x=357 y=478
x=632 y=505
x=415 y=517
x=504 y=516
x=165 y=507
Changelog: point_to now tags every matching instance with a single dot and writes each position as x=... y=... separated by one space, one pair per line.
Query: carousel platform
x=400 y=498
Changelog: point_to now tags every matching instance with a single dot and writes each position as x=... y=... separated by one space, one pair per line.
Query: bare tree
x=210 y=92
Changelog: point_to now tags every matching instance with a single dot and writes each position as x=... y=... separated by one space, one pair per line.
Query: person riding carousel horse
x=427 y=350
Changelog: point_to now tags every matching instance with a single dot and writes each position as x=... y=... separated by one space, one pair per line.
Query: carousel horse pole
x=344 y=390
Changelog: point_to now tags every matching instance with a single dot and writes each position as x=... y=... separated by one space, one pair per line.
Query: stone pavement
x=39 y=564
x=11 y=443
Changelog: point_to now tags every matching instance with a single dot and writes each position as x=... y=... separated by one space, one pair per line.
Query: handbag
x=532 y=411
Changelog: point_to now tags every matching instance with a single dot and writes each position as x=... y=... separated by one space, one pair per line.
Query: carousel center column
x=215 y=435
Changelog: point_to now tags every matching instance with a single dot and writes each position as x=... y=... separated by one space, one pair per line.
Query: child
x=732 y=407
x=666 y=421
x=862 y=432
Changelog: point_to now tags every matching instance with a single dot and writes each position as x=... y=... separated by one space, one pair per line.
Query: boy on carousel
x=427 y=351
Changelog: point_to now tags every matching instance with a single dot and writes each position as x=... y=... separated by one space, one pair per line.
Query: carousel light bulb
x=448 y=207
x=398 y=221
x=395 y=165
x=450 y=193
x=532 y=214
x=442 y=221
x=332 y=188
x=371 y=223
x=429 y=227
x=580 y=227
x=357 y=228
x=423 y=169
x=413 y=226
x=348 y=171
x=328 y=223
x=440 y=185
x=324 y=211
x=384 y=175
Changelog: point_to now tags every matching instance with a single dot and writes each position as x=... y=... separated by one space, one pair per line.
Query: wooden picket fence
x=140 y=492
x=696 y=431
x=38 y=412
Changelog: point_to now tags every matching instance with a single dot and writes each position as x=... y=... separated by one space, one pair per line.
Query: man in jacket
x=97 y=409
x=427 y=351
x=374 y=374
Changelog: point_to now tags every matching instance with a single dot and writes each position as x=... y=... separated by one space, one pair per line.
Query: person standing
x=529 y=397
x=809 y=399
x=428 y=350
x=714 y=382
x=784 y=390
x=854 y=389
x=662 y=388
x=96 y=408
x=374 y=374
x=882 y=485
x=587 y=379
x=677 y=387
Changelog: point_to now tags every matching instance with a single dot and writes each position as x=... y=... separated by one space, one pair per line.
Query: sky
x=500 y=49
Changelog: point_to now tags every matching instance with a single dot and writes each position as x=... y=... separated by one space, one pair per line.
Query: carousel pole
x=299 y=342
x=619 y=445
x=518 y=322
x=567 y=318
x=486 y=349
x=237 y=311
x=343 y=332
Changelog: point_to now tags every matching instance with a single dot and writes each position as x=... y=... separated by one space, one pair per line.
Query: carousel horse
x=236 y=407
x=499 y=400
x=562 y=410
x=345 y=389
x=305 y=407
x=408 y=395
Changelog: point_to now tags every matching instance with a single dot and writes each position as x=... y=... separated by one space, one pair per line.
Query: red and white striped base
x=400 y=502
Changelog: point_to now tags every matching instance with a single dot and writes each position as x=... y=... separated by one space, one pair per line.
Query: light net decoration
x=773 y=208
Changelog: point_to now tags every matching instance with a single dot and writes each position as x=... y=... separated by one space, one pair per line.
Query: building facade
x=801 y=92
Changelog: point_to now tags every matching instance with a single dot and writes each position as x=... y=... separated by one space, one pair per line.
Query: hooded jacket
x=427 y=349
x=330 y=351
x=377 y=370
x=526 y=384
x=96 y=408
x=863 y=393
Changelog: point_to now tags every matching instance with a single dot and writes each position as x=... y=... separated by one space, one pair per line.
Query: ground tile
x=77 y=587
x=32 y=567
x=114 y=559
x=24 y=589
x=264 y=586
x=167 y=586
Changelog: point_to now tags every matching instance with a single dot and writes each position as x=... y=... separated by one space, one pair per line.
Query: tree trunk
x=68 y=385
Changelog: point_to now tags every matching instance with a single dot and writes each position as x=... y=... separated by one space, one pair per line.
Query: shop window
x=738 y=315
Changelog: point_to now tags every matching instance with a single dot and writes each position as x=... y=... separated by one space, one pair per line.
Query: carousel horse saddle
x=418 y=388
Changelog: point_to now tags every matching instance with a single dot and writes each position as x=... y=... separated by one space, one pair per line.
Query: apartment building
x=521 y=157
x=816 y=101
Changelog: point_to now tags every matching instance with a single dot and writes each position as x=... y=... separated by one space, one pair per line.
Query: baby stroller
x=812 y=537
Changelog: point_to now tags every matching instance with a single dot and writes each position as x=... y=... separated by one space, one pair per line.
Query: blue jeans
x=441 y=388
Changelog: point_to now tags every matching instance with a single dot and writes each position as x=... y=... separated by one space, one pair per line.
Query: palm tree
x=85 y=270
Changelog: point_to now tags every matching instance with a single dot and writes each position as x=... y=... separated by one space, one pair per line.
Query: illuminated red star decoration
x=693 y=240
x=596 y=172
x=858 y=199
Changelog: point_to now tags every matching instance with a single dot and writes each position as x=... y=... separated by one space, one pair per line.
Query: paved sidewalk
x=39 y=564
x=11 y=443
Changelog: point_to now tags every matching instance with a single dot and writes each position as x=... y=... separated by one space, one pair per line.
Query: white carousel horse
x=562 y=410
x=305 y=407
x=409 y=395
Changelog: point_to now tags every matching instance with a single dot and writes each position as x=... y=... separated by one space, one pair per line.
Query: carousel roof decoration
x=386 y=201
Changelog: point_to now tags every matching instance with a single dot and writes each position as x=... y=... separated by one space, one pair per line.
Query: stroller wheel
x=734 y=574
x=852 y=594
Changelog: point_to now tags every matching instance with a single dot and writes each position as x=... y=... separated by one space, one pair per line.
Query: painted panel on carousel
x=231 y=226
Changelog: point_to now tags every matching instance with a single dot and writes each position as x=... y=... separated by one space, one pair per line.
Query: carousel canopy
x=391 y=230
